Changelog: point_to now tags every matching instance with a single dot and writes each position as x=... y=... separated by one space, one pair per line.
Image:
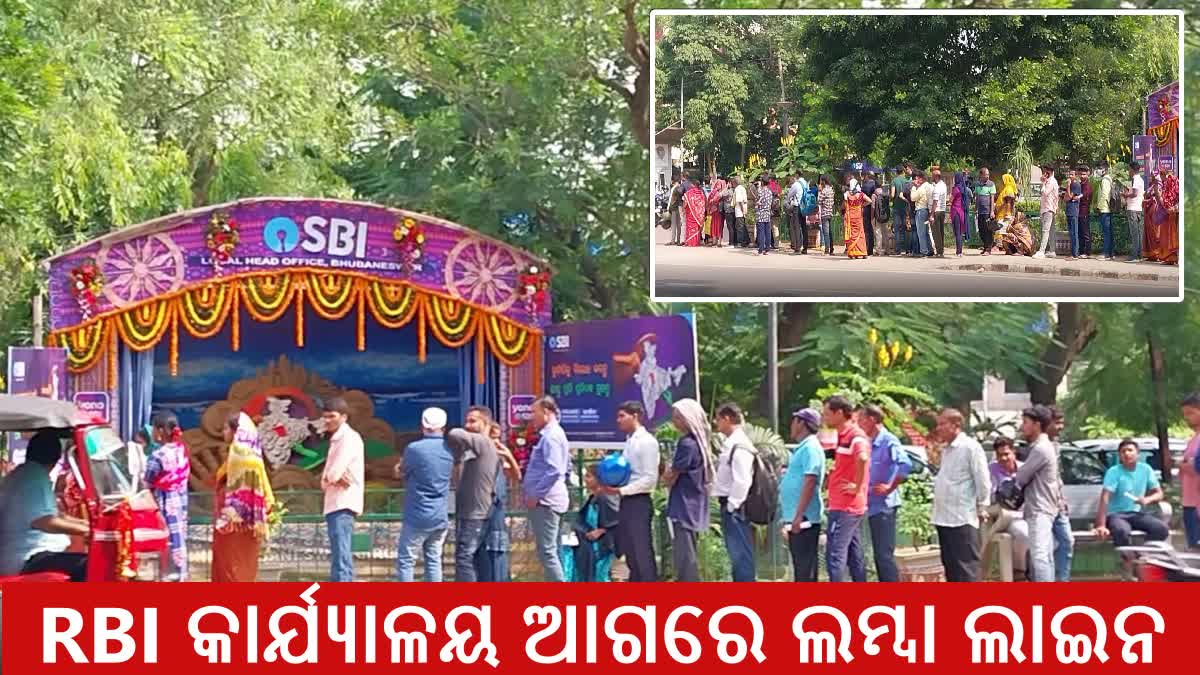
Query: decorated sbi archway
x=364 y=278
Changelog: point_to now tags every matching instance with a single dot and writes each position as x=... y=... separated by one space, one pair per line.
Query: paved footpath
x=731 y=272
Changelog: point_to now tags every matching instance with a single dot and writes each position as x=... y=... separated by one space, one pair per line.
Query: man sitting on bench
x=1129 y=487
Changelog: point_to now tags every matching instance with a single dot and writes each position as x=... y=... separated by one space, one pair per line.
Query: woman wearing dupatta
x=1006 y=200
x=1161 y=239
x=715 y=212
x=243 y=504
x=1013 y=237
x=167 y=472
x=958 y=210
x=695 y=206
x=852 y=216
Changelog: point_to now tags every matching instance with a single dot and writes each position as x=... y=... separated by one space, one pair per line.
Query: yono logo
x=559 y=341
x=281 y=234
x=331 y=236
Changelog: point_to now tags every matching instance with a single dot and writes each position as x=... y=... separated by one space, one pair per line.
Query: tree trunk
x=1073 y=331
x=206 y=170
x=794 y=318
x=1158 y=376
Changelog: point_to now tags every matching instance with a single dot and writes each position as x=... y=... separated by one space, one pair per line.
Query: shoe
x=959 y=255
x=1107 y=257
x=1039 y=254
x=1136 y=260
x=1051 y=254
x=1085 y=257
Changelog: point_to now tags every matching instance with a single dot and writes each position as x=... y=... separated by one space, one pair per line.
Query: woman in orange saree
x=695 y=207
x=714 y=209
x=1161 y=240
x=856 y=236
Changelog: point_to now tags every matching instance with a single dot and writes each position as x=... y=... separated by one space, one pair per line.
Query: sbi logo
x=334 y=236
x=559 y=341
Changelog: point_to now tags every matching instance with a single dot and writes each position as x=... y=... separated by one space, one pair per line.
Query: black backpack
x=762 y=501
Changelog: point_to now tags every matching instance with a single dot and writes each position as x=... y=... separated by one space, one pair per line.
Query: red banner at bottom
x=524 y=628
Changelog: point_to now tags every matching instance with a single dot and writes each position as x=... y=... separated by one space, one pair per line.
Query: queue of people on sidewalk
x=908 y=215
x=973 y=501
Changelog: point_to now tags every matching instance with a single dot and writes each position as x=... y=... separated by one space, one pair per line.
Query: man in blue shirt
x=1129 y=487
x=800 y=495
x=425 y=468
x=890 y=465
x=545 y=485
x=33 y=535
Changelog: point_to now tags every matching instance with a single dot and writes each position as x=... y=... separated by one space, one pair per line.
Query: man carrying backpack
x=735 y=474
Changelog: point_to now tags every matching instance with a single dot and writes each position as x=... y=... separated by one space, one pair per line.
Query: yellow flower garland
x=266 y=296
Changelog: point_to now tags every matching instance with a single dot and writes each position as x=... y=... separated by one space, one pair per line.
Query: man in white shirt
x=741 y=205
x=635 y=537
x=1133 y=210
x=735 y=472
x=961 y=492
x=343 y=482
x=938 y=208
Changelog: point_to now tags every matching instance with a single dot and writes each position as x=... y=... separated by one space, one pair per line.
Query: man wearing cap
x=800 y=495
x=425 y=469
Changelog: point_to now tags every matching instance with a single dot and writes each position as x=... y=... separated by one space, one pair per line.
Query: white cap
x=433 y=419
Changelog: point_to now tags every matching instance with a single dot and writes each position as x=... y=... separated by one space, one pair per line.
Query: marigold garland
x=204 y=310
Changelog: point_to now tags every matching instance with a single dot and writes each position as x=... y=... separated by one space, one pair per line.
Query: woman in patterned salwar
x=167 y=472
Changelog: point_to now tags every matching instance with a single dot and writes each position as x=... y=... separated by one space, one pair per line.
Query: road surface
x=681 y=272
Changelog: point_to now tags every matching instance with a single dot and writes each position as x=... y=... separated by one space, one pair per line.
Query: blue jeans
x=921 y=224
x=1191 y=526
x=826 y=240
x=1073 y=230
x=1041 y=546
x=544 y=521
x=416 y=541
x=1106 y=230
x=763 y=236
x=340 y=525
x=883 y=541
x=843 y=550
x=468 y=538
x=739 y=542
x=1064 y=547
x=898 y=230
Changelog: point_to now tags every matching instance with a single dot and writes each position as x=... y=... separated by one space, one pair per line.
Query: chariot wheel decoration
x=140 y=269
x=482 y=272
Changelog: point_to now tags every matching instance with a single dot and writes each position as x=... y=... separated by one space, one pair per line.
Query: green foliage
x=915 y=520
x=769 y=444
x=896 y=400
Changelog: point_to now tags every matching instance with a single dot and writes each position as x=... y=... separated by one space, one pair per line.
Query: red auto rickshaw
x=128 y=534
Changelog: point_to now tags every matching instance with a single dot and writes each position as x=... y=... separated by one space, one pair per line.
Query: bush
x=915 y=520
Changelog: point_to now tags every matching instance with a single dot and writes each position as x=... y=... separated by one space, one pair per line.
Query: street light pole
x=773 y=363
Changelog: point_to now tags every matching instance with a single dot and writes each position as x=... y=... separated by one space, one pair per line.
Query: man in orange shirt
x=847 y=492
